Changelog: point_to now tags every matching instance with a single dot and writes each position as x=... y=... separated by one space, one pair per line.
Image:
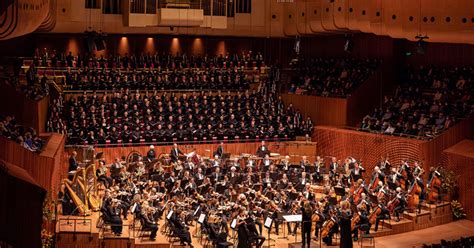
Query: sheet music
x=293 y=218
x=268 y=222
x=201 y=218
x=169 y=215
x=233 y=224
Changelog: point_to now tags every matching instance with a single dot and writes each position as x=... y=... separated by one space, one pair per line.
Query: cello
x=373 y=216
x=414 y=195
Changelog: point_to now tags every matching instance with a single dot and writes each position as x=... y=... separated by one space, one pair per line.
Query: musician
x=151 y=154
x=72 y=164
x=345 y=224
x=285 y=163
x=304 y=163
x=307 y=193
x=302 y=181
x=220 y=150
x=401 y=205
x=115 y=170
x=149 y=222
x=216 y=161
x=307 y=212
x=266 y=162
x=363 y=224
x=356 y=172
x=318 y=165
x=216 y=175
x=234 y=177
x=199 y=177
x=394 y=179
x=384 y=215
x=114 y=217
x=262 y=150
x=333 y=168
x=101 y=174
x=182 y=231
x=175 y=152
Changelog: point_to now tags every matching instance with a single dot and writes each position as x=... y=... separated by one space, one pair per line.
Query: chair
x=368 y=237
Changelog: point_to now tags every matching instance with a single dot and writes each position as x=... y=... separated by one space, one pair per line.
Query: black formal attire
x=345 y=225
x=306 y=228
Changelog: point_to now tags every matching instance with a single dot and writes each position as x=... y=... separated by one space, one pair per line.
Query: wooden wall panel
x=315 y=12
x=206 y=150
x=367 y=147
x=45 y=168
x=322 y=110
x=341 y=14
x=302 y=20
x=361 y=10
x=327 y=16
x=460 y=159
x=289 y=28
x=377 y=13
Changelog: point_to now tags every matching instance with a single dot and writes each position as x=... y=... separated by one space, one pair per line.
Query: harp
x=83 y=190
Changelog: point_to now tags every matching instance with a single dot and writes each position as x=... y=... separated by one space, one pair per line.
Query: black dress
x=345 y=225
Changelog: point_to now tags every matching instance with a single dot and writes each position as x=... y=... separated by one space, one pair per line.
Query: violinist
x=182 y=231
x=148 y=218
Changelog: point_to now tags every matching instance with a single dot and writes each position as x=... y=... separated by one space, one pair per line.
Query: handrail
x=394 y=134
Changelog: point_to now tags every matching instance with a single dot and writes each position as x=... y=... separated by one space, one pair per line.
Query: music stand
x=233 y=225
x=268 y=225
x=294 y=218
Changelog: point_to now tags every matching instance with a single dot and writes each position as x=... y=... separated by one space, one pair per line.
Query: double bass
x=414 y=195
x=433 y=187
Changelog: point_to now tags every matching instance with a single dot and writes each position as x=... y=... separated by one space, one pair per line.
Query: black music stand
x=268 y=225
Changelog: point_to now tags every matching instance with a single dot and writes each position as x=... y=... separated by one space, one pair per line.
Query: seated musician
x=394 y=179
x=182 y=231
x=251 y=231
x=215 y=234
x=285 y=163
x=266 y=162
x=333 y=168
x=114 y=219
x=384 y=215
x=151 y=154
x=401 y=205
x=149 y=221
x=318 y=166
x=304 y=163
x=175 y=152
x=262 y=150
x=356 y=172
x=115 y=170
x=364 y=222
x=101 y=174
x=331 y=215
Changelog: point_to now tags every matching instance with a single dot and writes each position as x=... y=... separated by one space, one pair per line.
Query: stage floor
x=450 y=231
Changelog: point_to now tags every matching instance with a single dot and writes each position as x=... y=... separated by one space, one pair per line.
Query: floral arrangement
x=458 y=210
x=47 y=240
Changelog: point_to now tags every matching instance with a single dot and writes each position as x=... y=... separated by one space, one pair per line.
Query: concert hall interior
x=236 y=123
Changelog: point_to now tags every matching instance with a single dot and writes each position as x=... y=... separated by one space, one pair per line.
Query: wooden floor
x=448 y=231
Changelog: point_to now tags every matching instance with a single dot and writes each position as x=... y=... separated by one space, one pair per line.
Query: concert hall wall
x=21 y=211
x=460 y=159
x=370 y=147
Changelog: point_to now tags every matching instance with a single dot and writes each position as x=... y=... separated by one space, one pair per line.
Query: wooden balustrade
x=46 y=168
